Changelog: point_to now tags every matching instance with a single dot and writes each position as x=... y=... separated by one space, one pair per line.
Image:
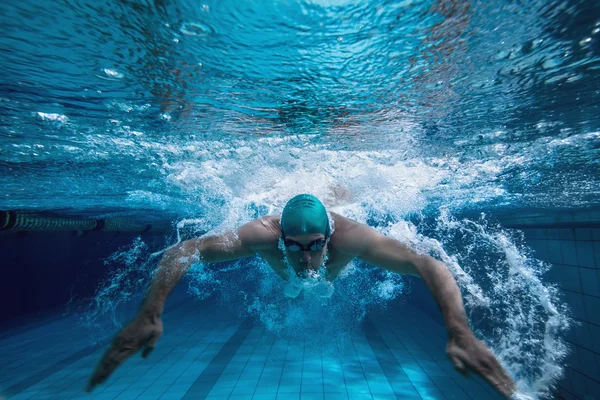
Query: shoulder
x=344 y=225
x=351 y=237
x=260 y=233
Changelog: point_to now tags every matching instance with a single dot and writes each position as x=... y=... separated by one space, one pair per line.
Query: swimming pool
x=467 y=130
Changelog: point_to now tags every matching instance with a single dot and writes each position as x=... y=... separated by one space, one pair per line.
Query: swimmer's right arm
x=146 y=328
x=178 y=259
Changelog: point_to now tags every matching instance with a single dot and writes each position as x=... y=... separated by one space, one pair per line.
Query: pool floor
x=220 y=357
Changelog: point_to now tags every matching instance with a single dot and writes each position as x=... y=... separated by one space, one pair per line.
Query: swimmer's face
x=306 y=260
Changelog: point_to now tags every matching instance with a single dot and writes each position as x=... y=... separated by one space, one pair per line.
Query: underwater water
x=423 y=119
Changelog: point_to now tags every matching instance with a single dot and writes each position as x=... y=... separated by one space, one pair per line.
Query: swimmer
x=308 y=236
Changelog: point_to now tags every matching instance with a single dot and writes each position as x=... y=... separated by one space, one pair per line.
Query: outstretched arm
x=394 y=256
x=146 y=328
x=464 y=350
x=177 y=260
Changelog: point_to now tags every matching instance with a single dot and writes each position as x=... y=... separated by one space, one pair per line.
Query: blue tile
x=101 y=396
x=310 y=388
x=582 y=335
x=577 y=305
x=270 y=396
x=291 y=380
x=593 y=388
x=585 y=254
x=589 y=363
x=554 y=254
x=579 y=387
x=552 y=233
x=597 y=254
x=360 y=396
x=566 y=234
x=583 y=234
x=430 y=392
x=404 y=389
x=567 y=395
x=169 y=396
x=286 y=388
x=569 y=252
x=246 y=383
x=288 y=396
x=565 y=382
x=267 y=389
x=595 y=333
x=311 y=396
x=570 y=279
x=353 y=387
x=380 y=387
x=336 y=396
x=540 y=248
x=553 y=274
x=589 y=281
x=221 y=391
x=592 y=305
x=572 y=359
x=242 y=391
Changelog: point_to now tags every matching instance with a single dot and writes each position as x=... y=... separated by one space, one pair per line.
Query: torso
x=276 y=258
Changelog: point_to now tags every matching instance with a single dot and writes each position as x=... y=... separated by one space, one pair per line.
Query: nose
x=305 y=257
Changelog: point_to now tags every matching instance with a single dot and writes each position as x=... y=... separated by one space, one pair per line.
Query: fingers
x=459 y=365
x=502 y=381
x=147 y=351
x=119 y=351
x=492 y=371
x=485 y=364
x=150 y=345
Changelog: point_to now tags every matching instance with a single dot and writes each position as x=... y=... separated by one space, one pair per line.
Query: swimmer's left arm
x=464 y=350
x=387 y=253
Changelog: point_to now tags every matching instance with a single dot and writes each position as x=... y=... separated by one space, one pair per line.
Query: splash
x=521 y=317
x=250 y=288
x=130 y=272
x=53 y=117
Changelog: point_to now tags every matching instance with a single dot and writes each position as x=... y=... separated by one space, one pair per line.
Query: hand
x=468 y=353
x=143 y=331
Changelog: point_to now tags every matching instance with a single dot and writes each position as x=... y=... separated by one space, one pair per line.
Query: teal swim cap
x=304 y=214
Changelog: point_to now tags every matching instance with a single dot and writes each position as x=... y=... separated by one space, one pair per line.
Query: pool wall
x=570 y=241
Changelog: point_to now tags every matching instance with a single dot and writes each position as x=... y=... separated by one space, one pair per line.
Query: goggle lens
x=315 y=245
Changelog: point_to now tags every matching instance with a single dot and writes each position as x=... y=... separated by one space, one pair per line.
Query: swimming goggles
x=315 y=245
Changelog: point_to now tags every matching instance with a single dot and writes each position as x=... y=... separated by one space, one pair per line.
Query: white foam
x=53 y=117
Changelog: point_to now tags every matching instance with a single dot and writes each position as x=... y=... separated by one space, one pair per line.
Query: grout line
x=361 y=366
x=377 y=345
x=213 y=371
x=486 y=387
x=287 y=349
x=148 y=370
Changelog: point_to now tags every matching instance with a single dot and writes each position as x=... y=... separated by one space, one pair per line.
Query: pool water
x=466 y=130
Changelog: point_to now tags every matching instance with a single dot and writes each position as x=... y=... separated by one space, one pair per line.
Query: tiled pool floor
x=218 y=357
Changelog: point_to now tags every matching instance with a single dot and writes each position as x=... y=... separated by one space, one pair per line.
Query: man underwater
x=310 y=235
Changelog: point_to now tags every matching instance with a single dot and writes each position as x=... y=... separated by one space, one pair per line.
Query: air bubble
x=52 y=117
x=195 y=29
x=112 y=73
